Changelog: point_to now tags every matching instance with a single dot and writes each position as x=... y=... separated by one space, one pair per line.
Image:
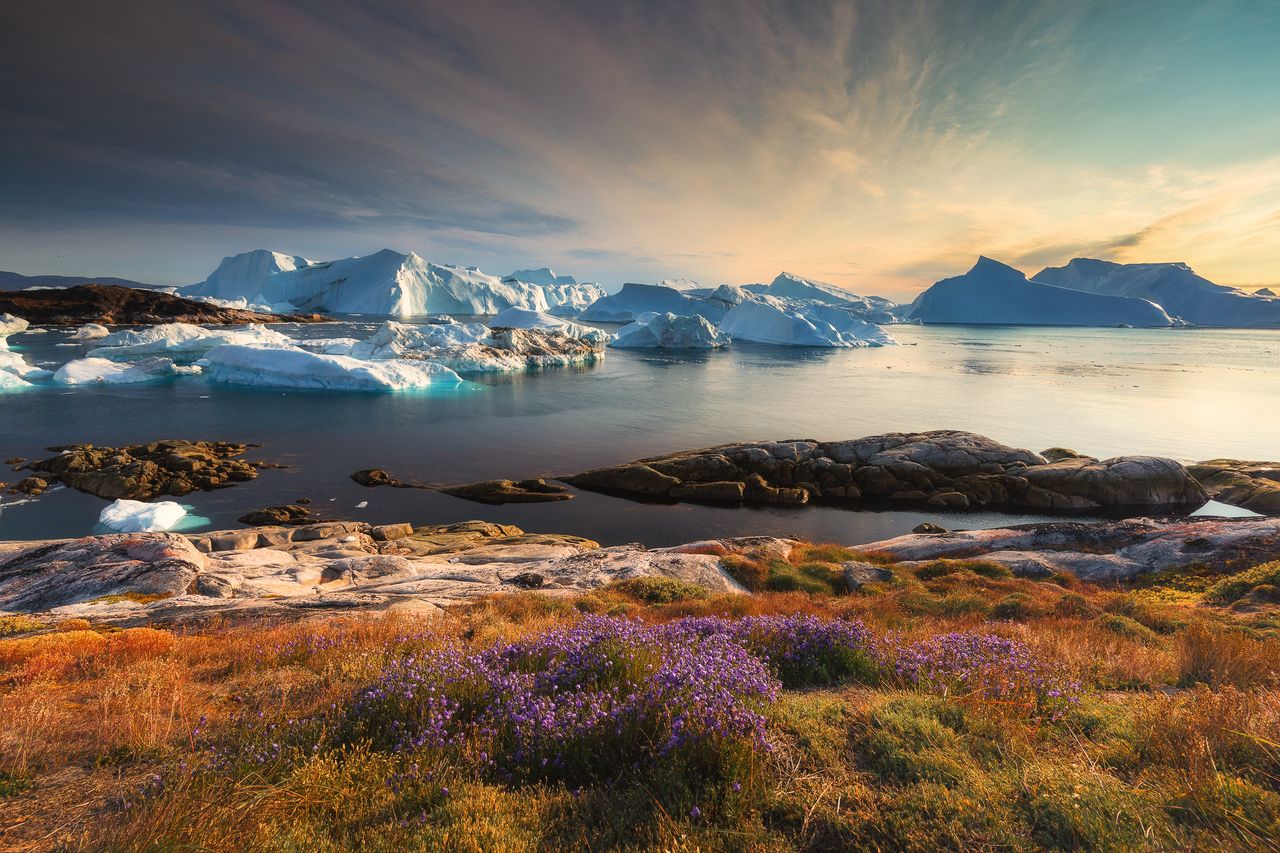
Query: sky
x=876 y=145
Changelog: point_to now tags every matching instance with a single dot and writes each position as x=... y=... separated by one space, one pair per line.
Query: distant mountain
x=1173 y=286
x=997 y=294
x=17 y=281
x=1264 y=291
x=386 y=283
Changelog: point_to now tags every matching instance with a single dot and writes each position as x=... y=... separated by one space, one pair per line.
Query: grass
x=147 y=738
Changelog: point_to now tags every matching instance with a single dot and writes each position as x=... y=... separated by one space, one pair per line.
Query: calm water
x=1188 y=394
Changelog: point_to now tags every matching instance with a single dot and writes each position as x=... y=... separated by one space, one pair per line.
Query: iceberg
x=10 y=382
x=328 y=346
x=90 y=332
x=475 y=348
x=102 y=371
x=542 y=275
x=667 y=331
x=386 y=283
x=787 y=286
x=282 y=367
x=400 y=340
x=522 y=318
x=10 y=325
x=128 y=516
x=636 y=299
x=767 y=320
x=182 y=342
x=1175 y=287
x=994 y=293
x=15 y=364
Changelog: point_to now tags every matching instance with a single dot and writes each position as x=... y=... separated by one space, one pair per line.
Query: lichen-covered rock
x=945 y=468
x=74 y=571
x=141 y=471
x=285 y=514
x=1251 y=485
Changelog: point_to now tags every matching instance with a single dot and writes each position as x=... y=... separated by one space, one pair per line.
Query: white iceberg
x=10 y=382
x=281 y=367
x=386 y=283
x=791 y=287
x=90 y=332
x=328 y=346
x=10 y=325
x=636 y=299
x=667 y=331
x=102 y=371
x=128 y=516
x=522 y=318
x=994 y=293
x=15 y=364
x=1175 y=287
x=1217 y=509
x=398 y=340
x=182 y=342
x=766 y=320
x=542 y=275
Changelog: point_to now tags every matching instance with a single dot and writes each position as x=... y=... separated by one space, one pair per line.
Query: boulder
x=31 y=486
x=1251 y=485
x=80 y=570
x=372 y=477
x=286 y=514
x=508 y=491
x=858 y=574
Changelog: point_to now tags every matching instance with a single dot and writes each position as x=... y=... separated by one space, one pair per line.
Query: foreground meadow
x=940 y=706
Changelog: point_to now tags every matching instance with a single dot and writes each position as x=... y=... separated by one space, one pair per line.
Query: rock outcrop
x=111 y=304
x=1104 y=551
x=508 y=491
x=944 y=468
x=161 y=577
x=1251 y=485
x=141 y=471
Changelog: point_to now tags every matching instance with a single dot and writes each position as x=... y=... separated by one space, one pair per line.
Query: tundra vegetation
x=945 y=705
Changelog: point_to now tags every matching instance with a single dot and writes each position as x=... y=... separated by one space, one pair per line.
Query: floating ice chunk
x=767 y=320
x=102 y=371
x=394 y=340
x=138 y=517
x=10 y=325
x=281 y=367
x=9 y=382
x=90 y=332
x=182 y=342
x=522 y=318
x=328 y=346
x=668 y=331
x=1217 y=509
x=16 y=364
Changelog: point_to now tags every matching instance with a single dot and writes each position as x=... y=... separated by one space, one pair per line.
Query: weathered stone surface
x=286 y=514
x=1252 y=485
x=508 y=491
x=373 y=477
x=858 y=574
x=1057 y=454
x=1099 y=551
x=391 y=532
x=31 y=486
x=929 y=527
x=73 y=571
x=112 y=304
x=141 y=471
x=945 y=468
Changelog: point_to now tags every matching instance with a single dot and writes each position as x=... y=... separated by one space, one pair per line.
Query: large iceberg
x=668 y=331
x=386 y=283
x=279 y=367
x=637 y=299
x=767 y=320
x=542 y=275
x=475 y=348
x=101 y=371
x=994 y=293
x=11 y=325
x=787 y=286
x=1173 y=286
x=182 y=342
x=128 y=516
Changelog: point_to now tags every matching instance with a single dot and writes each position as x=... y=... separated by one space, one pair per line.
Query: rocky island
x=110 y=304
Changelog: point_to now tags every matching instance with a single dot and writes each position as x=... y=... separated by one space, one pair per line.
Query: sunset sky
x=877 y=145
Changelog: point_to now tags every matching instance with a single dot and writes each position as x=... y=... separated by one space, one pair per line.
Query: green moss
x=983 y=568
x=1238 y=585
x=659 y=590
x=11 y=786
x=952 y=604
x=1074 y=808
x=1016 y=607
x=1073 y=604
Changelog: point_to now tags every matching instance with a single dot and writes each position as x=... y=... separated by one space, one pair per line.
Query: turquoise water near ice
x=1190 y=394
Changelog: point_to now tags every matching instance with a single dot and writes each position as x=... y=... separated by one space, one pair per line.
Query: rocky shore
x=944 y=468
x=114 y=305
x=342 y=566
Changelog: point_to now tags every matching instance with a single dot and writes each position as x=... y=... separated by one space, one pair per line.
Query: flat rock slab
x=1104 y=551
x=1252 y=485
x=944 y=468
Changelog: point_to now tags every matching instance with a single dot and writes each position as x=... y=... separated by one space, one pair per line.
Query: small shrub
x=954 y=604
x=982 y=568
x=1074 y=604
x=12 y=625
x=1125 y=627
x=1216 y=656
x=1160 y=619
x=659 y=590
x=1235 y=587
x=1016 y=607
x=752 y=574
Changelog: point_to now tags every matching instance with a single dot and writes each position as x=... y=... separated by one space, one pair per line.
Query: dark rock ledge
x=943 y=468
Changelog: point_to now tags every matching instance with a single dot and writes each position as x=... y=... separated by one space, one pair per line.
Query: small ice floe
x=1217 y=509
x=138 y=517
x=362 y=504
